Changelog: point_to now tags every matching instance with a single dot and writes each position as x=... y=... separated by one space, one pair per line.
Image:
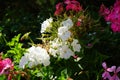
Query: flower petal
x=106 y=75
x=114 y=77
x=104 y=65
x=112 y=69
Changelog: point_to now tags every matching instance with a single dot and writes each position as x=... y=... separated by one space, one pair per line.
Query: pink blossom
x=69 y=1
x=113 y=69
x=59 y=9
x=75 y=56
x=112 y=15
x=115 y=27
x=5 y=64
x=106 y=74
x=78 y=23
x=69 y=5
x=104 y=11
x=73 y=5
x=117 y=3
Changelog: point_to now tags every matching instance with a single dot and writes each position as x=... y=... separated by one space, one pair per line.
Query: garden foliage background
x=20 y=25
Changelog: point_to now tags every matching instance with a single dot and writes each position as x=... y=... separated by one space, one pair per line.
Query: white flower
x=46 y=24
x=68 y=23
x=54 y=45
x=76 y=46
x=35 y=56
x=65 y=52
x=53 y=52
x=63 y=33
x=23 y=62
x=60 y=48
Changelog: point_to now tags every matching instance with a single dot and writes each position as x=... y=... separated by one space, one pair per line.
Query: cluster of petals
x=65 y=52
x=108 y=71
x=59 y=8
x=54 y=47
x=112 y=15
x=61 y=49
x=35 y=56
x=64 y=49
x=61 y=46
x=73 y=5
x=76 y=46
x=46 y=24
x=63 y=31
x=5 y=66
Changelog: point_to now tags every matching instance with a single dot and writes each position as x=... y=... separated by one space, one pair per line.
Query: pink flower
x=117 y=3
x=59 y=9
x=106 y=74
x=69 y=5
x=115 y=27
x=5 y=64
x=115 y=17
x=112 y=16
x=113 y=69
x=103 y=10
x=73 y=5
x=78 y=23
x=69 y=1
x=75 y=56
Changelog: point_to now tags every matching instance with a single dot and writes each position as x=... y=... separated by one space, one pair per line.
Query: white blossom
x=60 y=48
x=23 y=62
x=53 y=52
x=46 y=24
x=76 y=46
x=63 y=33
x=67 y=23
x=65 y=52
x=54 y=45
x=35 y=56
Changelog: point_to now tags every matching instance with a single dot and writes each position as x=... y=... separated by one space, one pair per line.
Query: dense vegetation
x=20 y=26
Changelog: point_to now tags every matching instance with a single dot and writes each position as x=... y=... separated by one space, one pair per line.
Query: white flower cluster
x=76 y=46
x=46 y=24
x=63 y=31
x=64 y=49
x=61 y=49
x=35 y=56
x=61 y=46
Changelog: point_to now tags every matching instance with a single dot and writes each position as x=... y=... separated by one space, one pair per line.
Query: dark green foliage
x=21 y=16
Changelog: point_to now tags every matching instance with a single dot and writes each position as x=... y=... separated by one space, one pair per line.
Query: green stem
x=31 y=40
x=4 y=39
